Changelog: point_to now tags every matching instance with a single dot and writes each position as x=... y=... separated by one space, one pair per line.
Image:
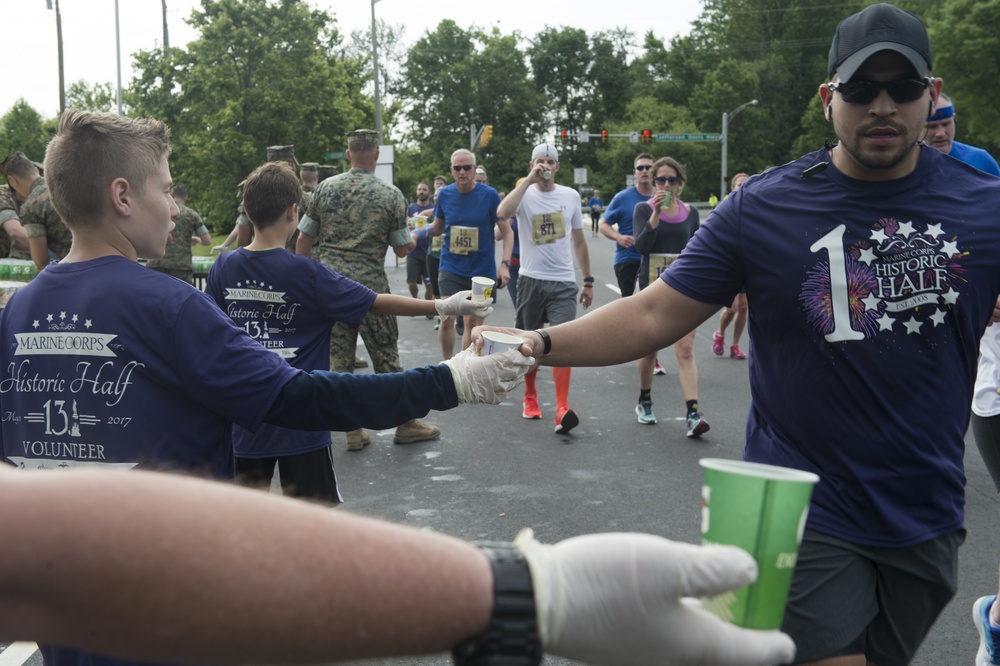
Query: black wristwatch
x=505 y=263
x=512 y=637
x=546 y=341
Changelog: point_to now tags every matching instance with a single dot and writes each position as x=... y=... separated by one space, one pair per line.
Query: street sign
x=580 y=176
x=696 y=136
x=335 y=156
x=633 y=136
x=583 y=136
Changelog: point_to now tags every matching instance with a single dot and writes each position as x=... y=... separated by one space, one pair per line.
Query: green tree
x=560 y=65
x=21 y=128
x=815 y=130
x=262 y=72
x=391 y=54
x=781 y=45
x=85 y=96
x=609 y=76
x=966 y=40
x=455 y=79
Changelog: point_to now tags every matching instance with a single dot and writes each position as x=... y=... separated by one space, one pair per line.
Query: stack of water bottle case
x=14 y=274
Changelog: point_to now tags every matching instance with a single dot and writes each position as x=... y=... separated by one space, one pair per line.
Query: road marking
x=613 y=287
x=17 y=653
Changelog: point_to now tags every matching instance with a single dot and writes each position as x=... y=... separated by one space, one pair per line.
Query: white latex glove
x=459 y=304
x=618 y=600
x=487 y=379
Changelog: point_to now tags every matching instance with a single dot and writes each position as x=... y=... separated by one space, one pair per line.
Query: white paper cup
x=482 y=289
x=495 y=342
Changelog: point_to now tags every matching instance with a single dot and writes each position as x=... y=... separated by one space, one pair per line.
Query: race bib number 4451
x=464 y=240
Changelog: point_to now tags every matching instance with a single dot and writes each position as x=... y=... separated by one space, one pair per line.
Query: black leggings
x=986 y=431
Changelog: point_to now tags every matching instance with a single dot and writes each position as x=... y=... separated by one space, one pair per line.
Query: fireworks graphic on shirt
x=898 y=280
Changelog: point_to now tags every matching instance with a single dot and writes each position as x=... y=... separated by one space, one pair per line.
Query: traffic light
x=564 y=136
x=646 y=136
x=486 y=136
x=604 y=136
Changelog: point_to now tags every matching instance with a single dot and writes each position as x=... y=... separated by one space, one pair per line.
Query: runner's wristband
x=512 y=637
x=546 y=341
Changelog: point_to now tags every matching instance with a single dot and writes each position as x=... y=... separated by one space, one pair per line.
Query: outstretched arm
x=172 y=568
x=149 y=566
x=657 y=317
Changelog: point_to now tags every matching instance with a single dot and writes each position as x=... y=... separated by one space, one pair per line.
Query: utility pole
x=59 y=50
x=378 y=102
x=726 y=117
x=118 y=55
x=166 y=34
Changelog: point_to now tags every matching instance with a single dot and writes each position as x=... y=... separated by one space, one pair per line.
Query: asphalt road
x=492 y=472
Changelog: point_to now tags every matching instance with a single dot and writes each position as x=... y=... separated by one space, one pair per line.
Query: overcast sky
x=88 y=28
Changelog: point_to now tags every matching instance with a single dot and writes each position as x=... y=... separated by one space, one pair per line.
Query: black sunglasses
x=672 y=180
x=861 y=91
x=644 y=167
x=463 y=167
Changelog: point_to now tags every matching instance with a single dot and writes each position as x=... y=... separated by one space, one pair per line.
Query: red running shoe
x=531 y=409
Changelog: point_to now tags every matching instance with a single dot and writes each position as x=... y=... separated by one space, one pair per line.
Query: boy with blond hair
x=109 y=364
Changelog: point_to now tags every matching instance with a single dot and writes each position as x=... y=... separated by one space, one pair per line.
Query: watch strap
x=546 y=341
x=512 y=637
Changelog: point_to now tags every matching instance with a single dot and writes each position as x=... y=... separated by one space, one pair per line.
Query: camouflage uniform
x=40 y=220
x=354 y=217
x=8 y=211
x=177 y=259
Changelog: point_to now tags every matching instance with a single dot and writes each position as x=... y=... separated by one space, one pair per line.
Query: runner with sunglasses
x=465 y=212
x=663 y=225
x=871 y=272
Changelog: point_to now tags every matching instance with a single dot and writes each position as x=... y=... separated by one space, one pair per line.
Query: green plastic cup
x=762 y=509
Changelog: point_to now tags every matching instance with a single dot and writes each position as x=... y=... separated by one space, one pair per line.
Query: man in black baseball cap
x=870 y=268
x=877 y=28
x=880 y=92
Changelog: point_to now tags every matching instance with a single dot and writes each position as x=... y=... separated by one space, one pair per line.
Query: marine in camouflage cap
x=275 y=153
x=353 y=219
x=362 y=140
x=326 y=170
